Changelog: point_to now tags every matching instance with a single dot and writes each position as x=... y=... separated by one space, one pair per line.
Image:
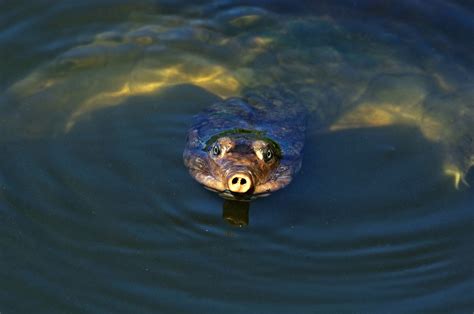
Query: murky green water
x=98 y=213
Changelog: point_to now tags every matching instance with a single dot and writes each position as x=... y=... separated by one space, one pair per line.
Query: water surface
x=98 y=213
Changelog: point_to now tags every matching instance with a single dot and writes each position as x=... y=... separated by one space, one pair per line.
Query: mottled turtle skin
x=247 y=147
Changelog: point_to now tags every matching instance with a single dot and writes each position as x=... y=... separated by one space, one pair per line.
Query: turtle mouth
x=229 y=195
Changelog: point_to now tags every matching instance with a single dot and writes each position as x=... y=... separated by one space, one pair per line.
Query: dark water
x=98 y=214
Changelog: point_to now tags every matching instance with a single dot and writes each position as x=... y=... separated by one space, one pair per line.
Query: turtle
x=249 y=146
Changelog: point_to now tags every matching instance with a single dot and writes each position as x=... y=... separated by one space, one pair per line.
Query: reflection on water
x=99 y=214
x=236 y=213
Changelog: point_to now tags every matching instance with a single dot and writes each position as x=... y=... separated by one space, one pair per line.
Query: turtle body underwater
x=247 y=147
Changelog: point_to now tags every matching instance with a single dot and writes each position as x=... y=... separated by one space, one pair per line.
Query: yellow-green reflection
x=214 y=78
x=406 y=99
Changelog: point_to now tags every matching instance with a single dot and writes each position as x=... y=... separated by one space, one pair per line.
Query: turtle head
x=239 y=165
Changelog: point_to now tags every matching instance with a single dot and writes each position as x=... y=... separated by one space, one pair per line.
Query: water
x=98 y=214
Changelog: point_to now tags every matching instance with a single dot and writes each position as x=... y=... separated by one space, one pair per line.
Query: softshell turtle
x=247 y=147
x=250 y=146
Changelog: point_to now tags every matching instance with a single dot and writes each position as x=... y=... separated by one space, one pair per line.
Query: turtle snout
x=239 y=183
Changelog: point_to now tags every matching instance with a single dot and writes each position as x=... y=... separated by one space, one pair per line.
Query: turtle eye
x=216 y=150
x=267 y=154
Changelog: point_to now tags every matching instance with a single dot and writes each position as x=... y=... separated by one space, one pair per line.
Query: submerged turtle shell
x=270 y=115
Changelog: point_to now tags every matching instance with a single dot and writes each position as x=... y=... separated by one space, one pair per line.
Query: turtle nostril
x=239 y=183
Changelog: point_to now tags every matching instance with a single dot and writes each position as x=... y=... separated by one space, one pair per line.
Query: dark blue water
x=99 y=215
